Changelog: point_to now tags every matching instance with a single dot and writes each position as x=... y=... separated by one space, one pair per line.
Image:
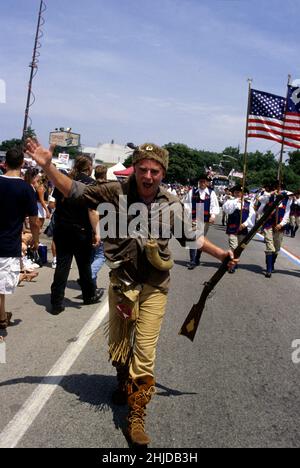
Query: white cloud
x=171 y=69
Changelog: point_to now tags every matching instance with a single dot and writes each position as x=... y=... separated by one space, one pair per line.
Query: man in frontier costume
x=273 y=230
x=241 y=217
x=139 y=277
x=203 y=195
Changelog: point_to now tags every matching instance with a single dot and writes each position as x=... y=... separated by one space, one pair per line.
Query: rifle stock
x=191 y=323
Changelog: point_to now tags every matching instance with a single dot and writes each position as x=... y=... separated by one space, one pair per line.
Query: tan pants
x=273 y=240
x=234 y=240
x=295 y=221
x=206 y=229
x=149 y=309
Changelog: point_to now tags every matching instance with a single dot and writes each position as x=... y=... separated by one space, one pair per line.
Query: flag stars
x=274 y=117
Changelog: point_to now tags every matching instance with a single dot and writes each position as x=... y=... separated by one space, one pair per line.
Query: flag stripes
x=275 y=118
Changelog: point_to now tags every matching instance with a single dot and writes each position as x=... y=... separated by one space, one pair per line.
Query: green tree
x=29 y=133
x=182 y=163
x=291 y=178
x=72 y=152
x=128 y=162
x=16 y=142
x=232 y=158
x=261 y=161
x=294 y=161
x=260 y=178
x=10 y=144
x=187 y=163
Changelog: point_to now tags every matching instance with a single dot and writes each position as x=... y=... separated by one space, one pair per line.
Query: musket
x=190 y=325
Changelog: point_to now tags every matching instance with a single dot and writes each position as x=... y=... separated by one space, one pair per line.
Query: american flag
x=275 y=118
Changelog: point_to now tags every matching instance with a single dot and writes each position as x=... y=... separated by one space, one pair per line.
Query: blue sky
x=147 y=70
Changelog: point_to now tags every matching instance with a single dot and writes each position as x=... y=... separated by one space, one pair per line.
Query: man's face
x=202 y=184
x=238 y=194
x=149 y=175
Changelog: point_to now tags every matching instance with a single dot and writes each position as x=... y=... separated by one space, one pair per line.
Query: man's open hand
x=39 y=154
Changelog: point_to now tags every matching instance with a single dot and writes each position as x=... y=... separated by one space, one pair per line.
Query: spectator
x=73 y=237
x=42 y=198
x=98 y=258
x=19 y=203
x=50 y=228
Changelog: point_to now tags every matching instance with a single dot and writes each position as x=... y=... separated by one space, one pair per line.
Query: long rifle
x=190 y=325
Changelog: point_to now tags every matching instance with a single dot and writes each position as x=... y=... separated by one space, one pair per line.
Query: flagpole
x=245 y=159
x=279 y=175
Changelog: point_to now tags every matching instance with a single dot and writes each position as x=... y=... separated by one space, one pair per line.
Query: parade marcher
x=18 y=201
x=273 y=230
x=237 y=224
x=295 y=214
x=139 y=278
x=205 y=196
x=227 y=195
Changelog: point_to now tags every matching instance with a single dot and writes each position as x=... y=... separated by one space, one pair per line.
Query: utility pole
x=34 y=66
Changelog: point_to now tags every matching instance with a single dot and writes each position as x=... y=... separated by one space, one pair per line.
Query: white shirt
x=232 y=205
x=264 y=199
x=214 y=204
x=297 y=201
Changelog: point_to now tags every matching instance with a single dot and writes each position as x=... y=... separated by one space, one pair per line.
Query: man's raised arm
x=43 y=158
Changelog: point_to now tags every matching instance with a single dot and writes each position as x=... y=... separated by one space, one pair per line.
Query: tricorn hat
x=203 y=176
x=239 y=188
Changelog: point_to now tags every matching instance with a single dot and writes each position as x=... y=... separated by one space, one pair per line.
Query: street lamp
x=231 y=157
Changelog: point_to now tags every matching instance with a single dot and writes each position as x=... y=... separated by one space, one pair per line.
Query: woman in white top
x=41 y=190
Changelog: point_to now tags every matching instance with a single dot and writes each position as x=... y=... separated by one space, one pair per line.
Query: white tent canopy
x=108 y=153
x=110 y=173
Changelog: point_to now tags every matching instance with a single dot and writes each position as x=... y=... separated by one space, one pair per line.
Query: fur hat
x=151 y=151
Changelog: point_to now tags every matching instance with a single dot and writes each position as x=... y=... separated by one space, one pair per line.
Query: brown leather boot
x=139 y=395
x=119 y=395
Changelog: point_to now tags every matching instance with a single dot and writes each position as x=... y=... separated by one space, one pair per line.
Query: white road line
x=285 y=252
x=18 y=426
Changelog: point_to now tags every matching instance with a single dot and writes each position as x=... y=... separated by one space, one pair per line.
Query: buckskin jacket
x=123 y=244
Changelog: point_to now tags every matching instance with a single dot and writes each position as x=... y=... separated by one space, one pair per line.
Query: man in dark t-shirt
x=73 y=237
x=17 y=202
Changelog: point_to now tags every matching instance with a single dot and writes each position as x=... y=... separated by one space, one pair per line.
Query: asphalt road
x=235 y=386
